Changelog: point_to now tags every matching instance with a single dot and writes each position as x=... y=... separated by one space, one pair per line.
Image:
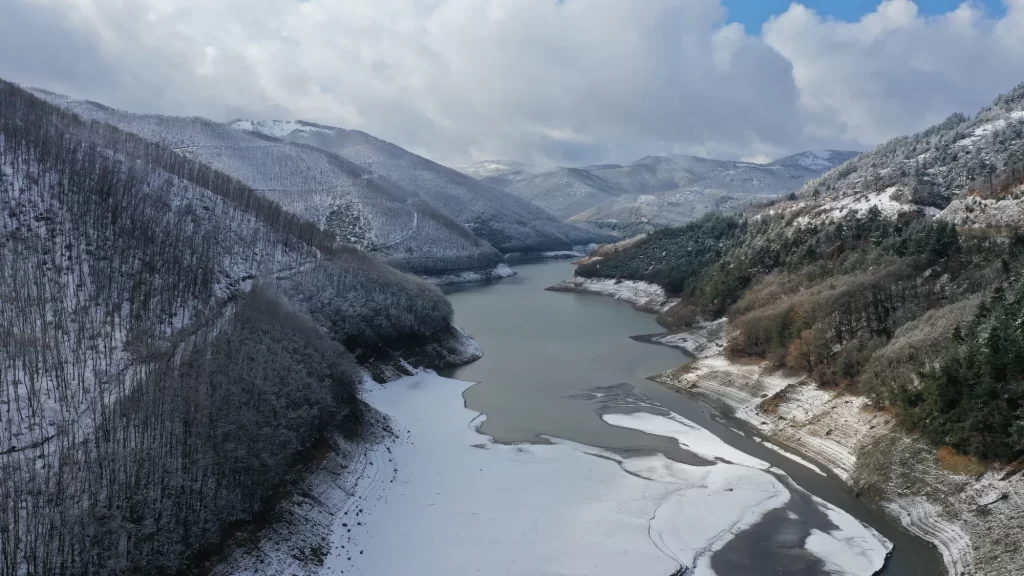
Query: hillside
x=356 y=205
x=963 y=164
x=656 y=190
x=174 y=345
x=507 y=222
x=898 y=277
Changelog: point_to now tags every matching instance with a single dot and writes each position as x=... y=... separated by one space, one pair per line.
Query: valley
x=564 y=451
x=276 y=346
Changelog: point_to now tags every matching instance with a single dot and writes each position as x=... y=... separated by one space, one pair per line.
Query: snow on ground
x=989 y=128
x=788 y=454
x=701 y=342
x=462 y=505
x=831 y=429
x=924 y=519
x=275 y=128
x=980 y=212
x=497 y=273
x=859 y=204
x=558 y=254
x=790 y=409
x=691 y=437
x=642 y=295
x=849 y=549
x=852 y=548
x=440 y=498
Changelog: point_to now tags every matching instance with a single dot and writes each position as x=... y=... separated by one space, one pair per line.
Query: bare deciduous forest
x=173 y=343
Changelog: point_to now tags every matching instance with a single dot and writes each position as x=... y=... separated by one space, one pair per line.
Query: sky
x=548 y=82
x=753 y=13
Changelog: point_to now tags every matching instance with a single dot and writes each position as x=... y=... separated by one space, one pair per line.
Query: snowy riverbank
x=642 y=295
x=455 y=503
x=970 y=521
x=497 y=273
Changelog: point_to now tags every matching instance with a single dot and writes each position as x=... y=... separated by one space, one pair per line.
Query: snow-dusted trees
x=151 y=398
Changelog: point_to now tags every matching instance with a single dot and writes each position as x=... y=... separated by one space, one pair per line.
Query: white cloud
x=577 y=81
x=895 y=71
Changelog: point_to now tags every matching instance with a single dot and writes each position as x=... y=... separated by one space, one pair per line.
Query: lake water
x=555 y=362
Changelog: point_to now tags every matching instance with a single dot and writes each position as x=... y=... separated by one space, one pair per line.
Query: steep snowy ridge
x=357 y=205
x=161 y=321
x=507 y=222
x=656 y=190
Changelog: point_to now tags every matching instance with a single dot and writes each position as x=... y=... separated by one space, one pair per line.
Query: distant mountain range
x=655 y=190
x=415 y=214
x=508 y=222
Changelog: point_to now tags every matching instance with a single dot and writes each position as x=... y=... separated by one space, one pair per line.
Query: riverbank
x=469 y=276
x=562 y=366
x=455 y=502
x=643 y=296
x=974 y=522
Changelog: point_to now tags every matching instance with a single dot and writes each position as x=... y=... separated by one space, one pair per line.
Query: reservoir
x=557 y=364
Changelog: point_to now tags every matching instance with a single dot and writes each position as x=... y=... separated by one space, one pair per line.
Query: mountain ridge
x=655 y=190
x=464 y=198
x=422 y=231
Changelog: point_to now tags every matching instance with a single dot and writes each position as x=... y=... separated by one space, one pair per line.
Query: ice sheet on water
x=459 y=504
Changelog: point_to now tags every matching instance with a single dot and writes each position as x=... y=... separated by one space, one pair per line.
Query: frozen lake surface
x=456 y=503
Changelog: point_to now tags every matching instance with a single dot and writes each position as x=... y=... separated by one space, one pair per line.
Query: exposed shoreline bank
x=970 y=521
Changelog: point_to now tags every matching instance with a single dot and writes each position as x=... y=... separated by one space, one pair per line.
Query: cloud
x=575 y=81
x=895 y=71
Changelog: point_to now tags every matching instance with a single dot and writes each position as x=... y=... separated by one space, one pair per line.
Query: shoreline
x=971 y=522
x=644 y=296
x=416 y=474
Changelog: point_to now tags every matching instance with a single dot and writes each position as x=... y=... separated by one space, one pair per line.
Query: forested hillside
x=174 y=343
x=358 y=206
x=504 y=220
x=896 y=275
x=966 y=166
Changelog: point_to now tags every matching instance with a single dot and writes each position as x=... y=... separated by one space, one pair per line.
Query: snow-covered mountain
x=507 y=222
x=357 y=205
x=417 y=215
x=657 y=190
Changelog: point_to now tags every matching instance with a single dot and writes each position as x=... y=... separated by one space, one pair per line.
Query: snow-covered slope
x=657 y=190
x=157 y=315
x=495 y=168
x=358 y=205
x=980 y=156
x=509 y=223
